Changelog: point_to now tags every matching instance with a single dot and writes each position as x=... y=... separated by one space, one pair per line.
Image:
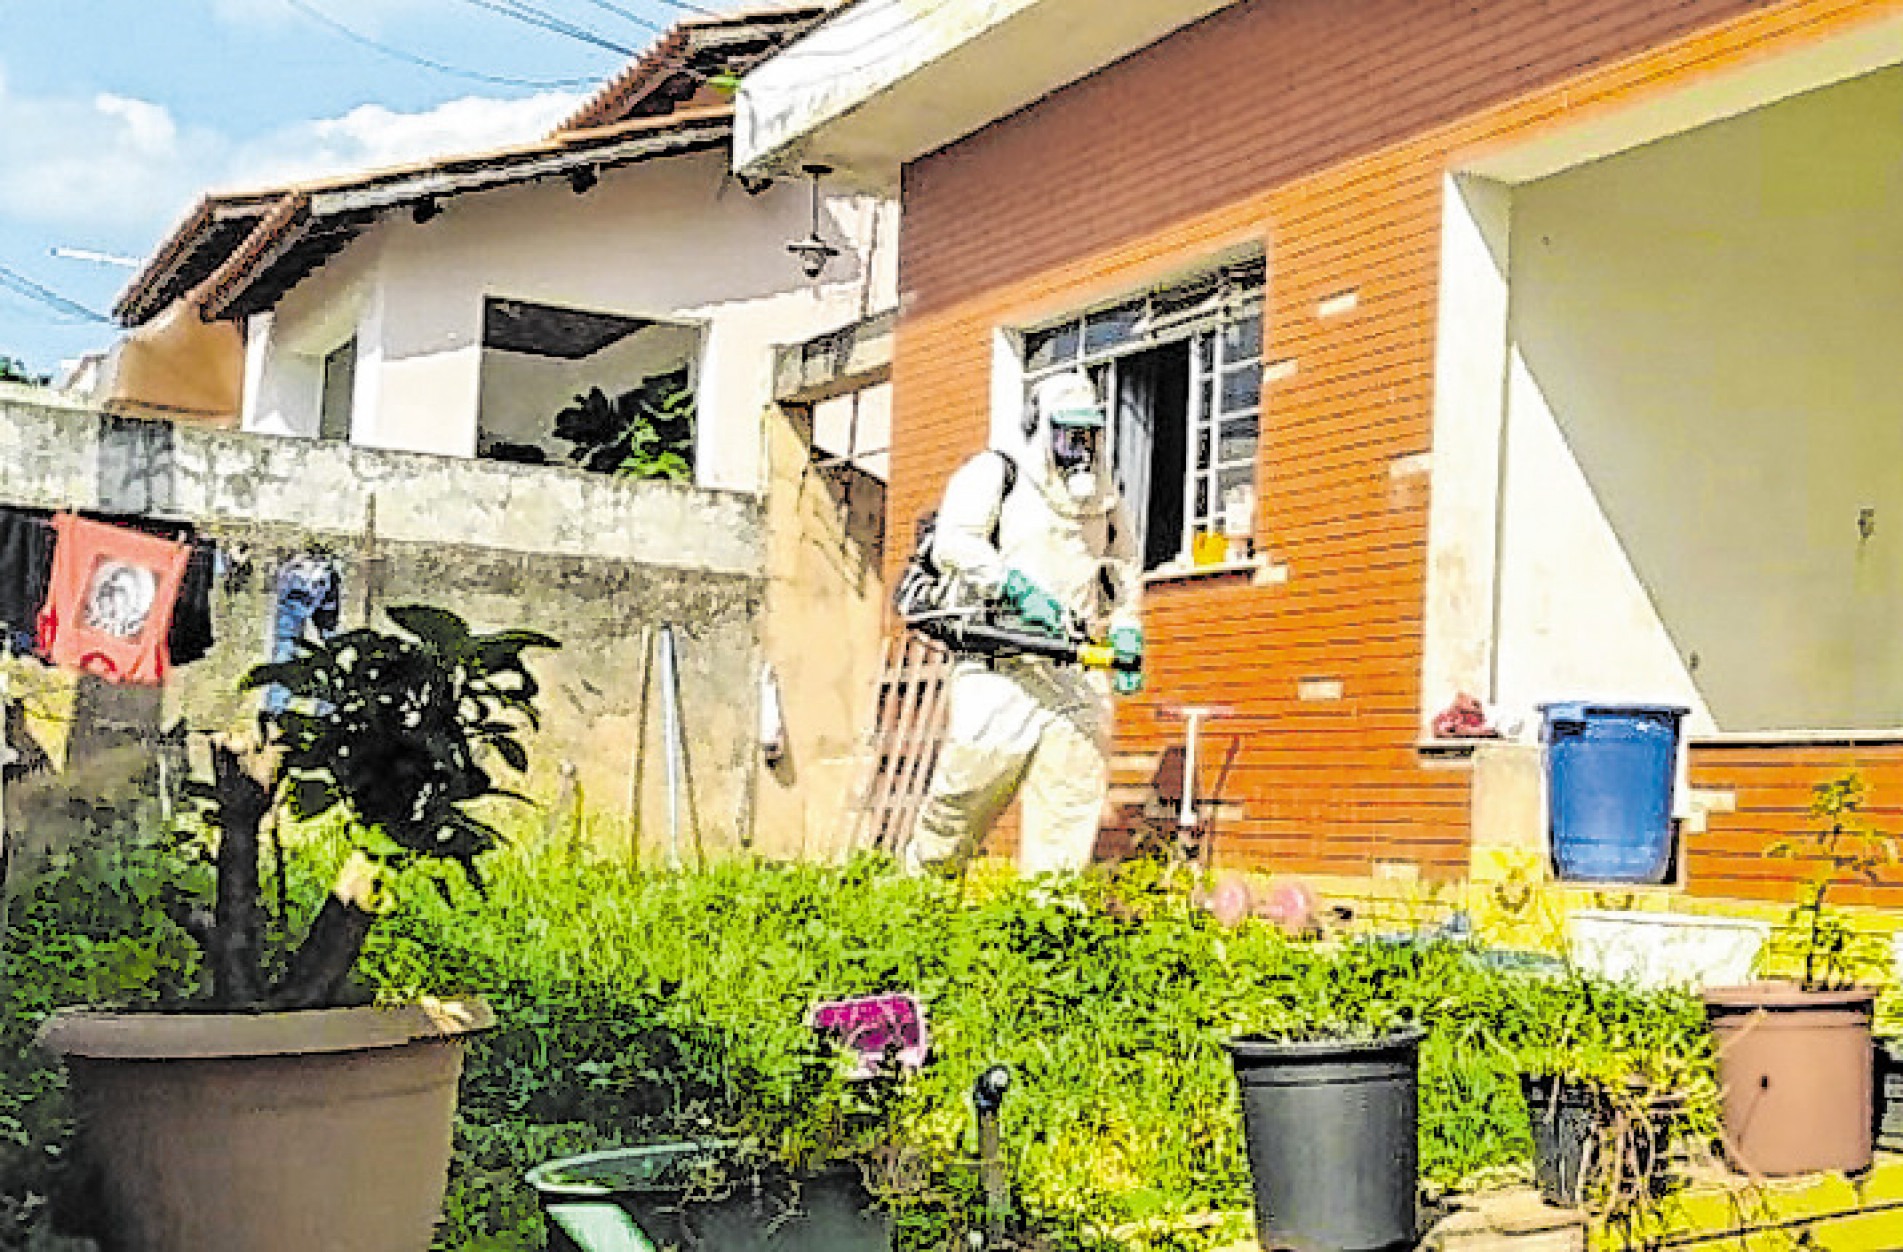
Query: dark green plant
x=393 y=731
x=1647 y=1079
x=1841 y=846
x=13 y=370
x=647 y=432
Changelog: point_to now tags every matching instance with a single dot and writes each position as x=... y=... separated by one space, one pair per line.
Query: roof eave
x=878 y=83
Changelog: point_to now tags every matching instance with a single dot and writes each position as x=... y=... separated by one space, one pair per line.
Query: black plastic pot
x=1889 y=1054
x=1564 y=1117
x=1331 y=1130
x=691 y=1196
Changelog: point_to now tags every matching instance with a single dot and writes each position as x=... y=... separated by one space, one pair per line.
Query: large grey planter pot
x=310 y=1131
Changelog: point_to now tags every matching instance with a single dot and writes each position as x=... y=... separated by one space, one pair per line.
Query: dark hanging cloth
x=192 y=635
x=26 y=562
x=309 y=593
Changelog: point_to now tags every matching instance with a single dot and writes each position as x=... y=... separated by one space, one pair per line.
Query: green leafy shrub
x=94 y=925
x=391 y=733
x=643 y=1007
x=1817 y=942
x=647 y=432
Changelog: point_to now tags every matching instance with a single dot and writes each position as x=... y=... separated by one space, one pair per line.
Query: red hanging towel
x=109 y=601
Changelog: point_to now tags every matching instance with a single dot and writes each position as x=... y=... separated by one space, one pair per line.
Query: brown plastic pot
x=1797 y=1075
x=311 y=1131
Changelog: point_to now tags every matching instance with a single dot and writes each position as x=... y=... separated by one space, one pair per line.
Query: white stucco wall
x=673 y=240
x=1701 y=398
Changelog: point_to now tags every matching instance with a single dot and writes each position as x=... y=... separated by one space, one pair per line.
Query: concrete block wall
x=598 y=564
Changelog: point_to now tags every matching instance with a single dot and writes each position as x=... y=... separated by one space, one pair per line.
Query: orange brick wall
x=1322 y=129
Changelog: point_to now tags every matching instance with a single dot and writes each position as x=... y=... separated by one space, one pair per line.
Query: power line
x=357 y=36
x=608 y=6
x=685 y=7
x=46 y=295
x=532 y=16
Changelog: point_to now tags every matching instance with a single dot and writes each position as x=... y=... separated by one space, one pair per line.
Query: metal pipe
x=671 y=733
x=987 y=1097
x=1186 y=815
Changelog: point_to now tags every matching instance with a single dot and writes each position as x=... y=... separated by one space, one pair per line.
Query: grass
x=640 y=1006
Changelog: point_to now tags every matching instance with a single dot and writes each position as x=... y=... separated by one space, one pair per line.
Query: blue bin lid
x=1582 y=710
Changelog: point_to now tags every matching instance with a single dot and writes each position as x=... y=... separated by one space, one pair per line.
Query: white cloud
x=124 y=164
x=371 y=137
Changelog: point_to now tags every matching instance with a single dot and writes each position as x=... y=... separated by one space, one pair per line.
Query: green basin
x=689 y=1195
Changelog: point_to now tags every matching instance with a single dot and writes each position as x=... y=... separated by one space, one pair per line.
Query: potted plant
x=1606 y=1094
x=1795 y=1054
x=1329 y=1076
x=282 y=1116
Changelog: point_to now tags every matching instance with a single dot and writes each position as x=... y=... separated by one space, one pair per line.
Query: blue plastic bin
x=1609 y=770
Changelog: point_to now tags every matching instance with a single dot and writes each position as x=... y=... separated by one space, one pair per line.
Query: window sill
x=1260 y=571
x=1796 y=738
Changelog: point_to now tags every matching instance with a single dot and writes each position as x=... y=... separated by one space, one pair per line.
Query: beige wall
x=1702 y=396
x=824 y=611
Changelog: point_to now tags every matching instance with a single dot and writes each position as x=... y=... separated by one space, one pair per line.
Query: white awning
x=881 y=82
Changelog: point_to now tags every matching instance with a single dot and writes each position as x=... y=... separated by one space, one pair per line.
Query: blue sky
x=115 y=115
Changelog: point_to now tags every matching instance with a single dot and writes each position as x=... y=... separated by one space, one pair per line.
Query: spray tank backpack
x=926 y=593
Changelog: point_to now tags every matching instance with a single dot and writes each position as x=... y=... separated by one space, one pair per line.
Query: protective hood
x=1070 y=456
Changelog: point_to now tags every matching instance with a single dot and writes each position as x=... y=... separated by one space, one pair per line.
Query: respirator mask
x=1074 y=451
x=1065 y=406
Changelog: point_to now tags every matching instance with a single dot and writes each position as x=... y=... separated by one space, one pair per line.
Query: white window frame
x=1200 y=310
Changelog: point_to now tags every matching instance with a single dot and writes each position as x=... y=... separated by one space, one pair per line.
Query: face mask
x=1082 y=485
x=1074 y=449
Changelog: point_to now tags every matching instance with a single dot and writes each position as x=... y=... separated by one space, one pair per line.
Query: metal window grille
x=1220 y=314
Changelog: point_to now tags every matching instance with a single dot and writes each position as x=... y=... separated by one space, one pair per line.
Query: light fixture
x=425 y=210
x=753 y=184
x=813 y=252
x=582 y=178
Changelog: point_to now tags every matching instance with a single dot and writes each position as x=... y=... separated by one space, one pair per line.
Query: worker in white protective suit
x=1048 y=541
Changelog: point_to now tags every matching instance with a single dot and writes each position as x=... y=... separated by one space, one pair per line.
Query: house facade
x=437 y=363
x=1524 y=351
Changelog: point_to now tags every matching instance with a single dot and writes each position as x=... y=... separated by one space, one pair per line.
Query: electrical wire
x=530 y=15
x=25 y=286
x=356 y=36
x=686 y=7
x=608 y=6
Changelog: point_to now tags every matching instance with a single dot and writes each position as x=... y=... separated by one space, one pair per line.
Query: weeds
x=643 y=1007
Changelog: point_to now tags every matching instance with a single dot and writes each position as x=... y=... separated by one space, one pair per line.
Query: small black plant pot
x=1594 y=1149
x=1889 y=1102
x=692 y=1196
x=1565 y=1118
x=1331 y=1130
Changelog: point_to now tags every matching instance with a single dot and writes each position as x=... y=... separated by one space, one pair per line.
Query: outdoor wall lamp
x=813 y=252
x=425 y=210
x=583 y=178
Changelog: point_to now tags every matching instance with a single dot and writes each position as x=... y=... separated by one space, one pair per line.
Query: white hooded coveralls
x=1024 y=725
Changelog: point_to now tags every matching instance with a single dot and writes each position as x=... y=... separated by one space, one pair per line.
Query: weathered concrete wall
x=74 y=458
x=825 y=608
x=600 y=565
